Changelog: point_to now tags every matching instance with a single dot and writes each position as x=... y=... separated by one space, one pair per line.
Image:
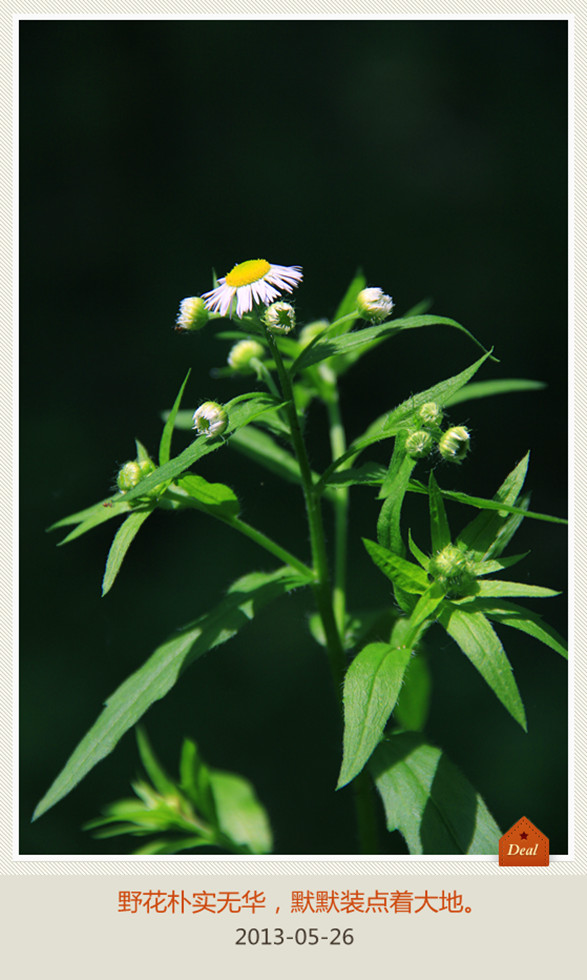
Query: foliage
x=378 y=659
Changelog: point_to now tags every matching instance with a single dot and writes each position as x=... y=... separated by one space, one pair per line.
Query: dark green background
x=434 y=154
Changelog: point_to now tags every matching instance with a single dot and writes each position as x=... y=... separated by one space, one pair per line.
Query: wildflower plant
x=379 y=659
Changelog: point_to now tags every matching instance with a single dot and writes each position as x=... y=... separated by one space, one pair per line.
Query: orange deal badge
x=523 y=845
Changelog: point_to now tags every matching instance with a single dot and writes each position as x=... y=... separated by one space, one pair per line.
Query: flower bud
x=312 y=330
x=374 y=305
x=241 y=354
x=452 y=570
x=430 y=414
x=210 y=419
x=133 y=472
x=419 y=444
x=280 y=317
x=454 y=443
x=192 y=315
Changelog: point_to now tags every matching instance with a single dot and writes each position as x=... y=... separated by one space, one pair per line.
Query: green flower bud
x=312 y=330
x=192 y=315
x=280 y=317
x=133 y=472
x=374 y=305
x=241 y=354
x=210 y=419
x=452 y=570
x=430 y=414
x=128 y=476
x=419 y=444
x=454 y=443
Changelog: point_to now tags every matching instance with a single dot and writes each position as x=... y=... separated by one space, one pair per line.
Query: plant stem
x=341 y=509
x=333 y=625
x=314 y=513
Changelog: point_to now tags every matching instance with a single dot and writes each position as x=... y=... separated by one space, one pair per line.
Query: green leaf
x=477 y=639
x=160 y=672
x=240 y=815
x=482 y=503
x=142 y=454
x=489 y=567
x=370 y=474
x=91 y=517
x=394 y=487
x=241 y=411
x=429 y=800
x=408 y=576
x=371 y=689
x=122 y=541
x=213 y=498
x=426 y=606
x=165 y=444
x=502 y=589
x=413 y=703
x=486 y=389
x=439 y=529
x=419 y=555
x=153 y=768
x=360 y=341
x=510 y=614
x=348 y=303
x=195 y=780
x=479 y=537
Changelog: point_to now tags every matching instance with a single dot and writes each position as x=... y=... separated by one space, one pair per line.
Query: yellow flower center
x=247 y=272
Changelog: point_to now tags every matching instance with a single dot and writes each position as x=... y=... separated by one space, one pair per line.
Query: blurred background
x=431 y=154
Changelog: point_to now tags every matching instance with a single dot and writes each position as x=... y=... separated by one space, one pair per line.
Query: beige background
x=60 y=917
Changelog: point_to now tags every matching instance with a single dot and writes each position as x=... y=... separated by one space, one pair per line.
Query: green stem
x=341 y=510
x=333 y=625
x=314 y=513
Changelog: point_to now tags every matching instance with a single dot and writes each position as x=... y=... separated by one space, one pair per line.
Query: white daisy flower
x=250 y=282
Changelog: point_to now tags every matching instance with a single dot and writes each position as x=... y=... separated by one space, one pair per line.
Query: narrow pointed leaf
x=501 y=589
x=477 y=639
x=165 y=444
x=360 y=341
x=429 y=800
x=370 y=474
x=122 y=541
x=153 y=768
x=496 y=565
x=486 y=389
x=159 y=673
x=92 y=517
x=408 y=576
x=520 y=509
x=427 y=605
x=419 y=555
x=519 y=618
x=349 y=303
x=371 y=688
x=479 y=536
x=439 y=529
